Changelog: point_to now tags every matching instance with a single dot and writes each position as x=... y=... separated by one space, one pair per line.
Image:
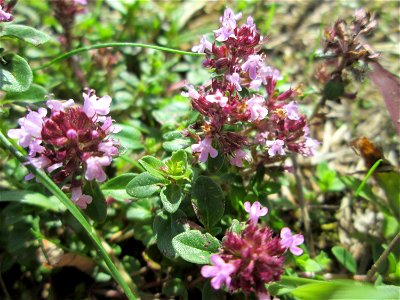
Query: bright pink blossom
x=255 y=211
x=291 y=242
x=205 y=148
x=94 y=168
x=80 y=199
x=220 y=272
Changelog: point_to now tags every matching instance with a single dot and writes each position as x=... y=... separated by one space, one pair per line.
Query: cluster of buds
x=242 y=108
x=72 y=143
x=6 y=9
x=345 y=45
x=253 y=257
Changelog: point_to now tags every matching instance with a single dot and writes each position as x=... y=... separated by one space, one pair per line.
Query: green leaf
x=333 y=89
x=177 y=166
x=208 y=201
x=129 y=137
x=171 y=197
x=345 y=258
x=166 y=227
x=32 y=198
x=116 y=187
x=154 y=166
x=140 y=211
x=195 y=247
x=144 y=185
x=97 y=210
x=35 y=93
x=345 y=289
x=177 y=144
x=15 y=74
x=25 y=33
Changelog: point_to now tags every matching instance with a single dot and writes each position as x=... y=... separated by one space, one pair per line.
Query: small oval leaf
x=144 y=185
x=15 y=74
x=195 y=247
x=171 y=197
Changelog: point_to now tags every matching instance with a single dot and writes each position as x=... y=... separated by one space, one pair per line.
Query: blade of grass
x=107 y=45
x=55 y=190
x=370 y=172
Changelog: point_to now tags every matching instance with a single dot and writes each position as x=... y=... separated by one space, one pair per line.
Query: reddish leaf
x=389 y=85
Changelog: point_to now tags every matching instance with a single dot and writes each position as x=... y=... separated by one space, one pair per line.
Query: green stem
x=106 y=45
x=55 y=190
x=373 y=168
x=291 y=280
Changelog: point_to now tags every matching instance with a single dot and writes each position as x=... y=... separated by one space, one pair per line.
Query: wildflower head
x=249 y=259
x=242 y=101
x=5 y=10
x=70 y=141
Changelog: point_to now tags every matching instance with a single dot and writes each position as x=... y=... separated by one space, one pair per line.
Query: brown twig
x=304 y=208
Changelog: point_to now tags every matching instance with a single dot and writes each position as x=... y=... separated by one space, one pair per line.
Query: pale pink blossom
x=220 y=271
x=35 y=147
x=205 y=148
x=310 y=147
x=108 y=148
x=204 y=44
x=235 y=80
x=39 y=162
x=109 y=127
x=291 y=242
x=255 y=211
x=275 y=147
x=80 y=199
x=237 y=159
x=93 y=106
x=218 y=97
x=253 y=63
x=292 y=111
x=5 y=16
x=58 y=105
x=94 y=168
x=192 y=93
x=54 y=167
x=257 y=111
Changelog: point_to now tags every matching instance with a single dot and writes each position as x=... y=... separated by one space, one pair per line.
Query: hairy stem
x=55 y=190
x=112 y=45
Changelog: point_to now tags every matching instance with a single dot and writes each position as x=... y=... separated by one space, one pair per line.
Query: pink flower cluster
x=250 y=259
x=242 y=108
x=72 y=143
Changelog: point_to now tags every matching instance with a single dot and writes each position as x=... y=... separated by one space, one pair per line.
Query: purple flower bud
x=72 y=134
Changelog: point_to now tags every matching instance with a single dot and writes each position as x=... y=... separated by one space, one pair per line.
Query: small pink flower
x=192 y=93
x=220 y=271
x=108 y=148
x=205 y=148
x=237 y=160
x=253 y=63
x=275 y=147
x=218 y=97
x=310 y=147
x=257 y=111
x=235 y=80
x=39 y=162
x=94 y=168
x=255 y=211
x=57 y=105
x=204 y=44
x=93 y=106
x=35 y=147
x=80 y=199
x=108 y=126
x=291 y=242
x=292 y=111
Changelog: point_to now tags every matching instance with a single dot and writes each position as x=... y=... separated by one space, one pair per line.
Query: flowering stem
x=107 y=45
x=55 y=190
